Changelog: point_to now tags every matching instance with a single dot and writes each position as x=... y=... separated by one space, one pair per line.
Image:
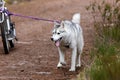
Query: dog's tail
x=76 y=18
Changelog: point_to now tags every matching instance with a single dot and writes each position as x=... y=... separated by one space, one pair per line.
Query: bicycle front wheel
x=4 y=35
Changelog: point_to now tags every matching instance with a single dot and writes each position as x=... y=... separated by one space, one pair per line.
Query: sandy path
x=35 y=57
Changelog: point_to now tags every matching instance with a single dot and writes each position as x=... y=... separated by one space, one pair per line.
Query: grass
x=106 y=64
x=106 y=52
x=15 y=1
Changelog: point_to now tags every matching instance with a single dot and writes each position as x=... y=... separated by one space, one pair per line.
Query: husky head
x=58 y=33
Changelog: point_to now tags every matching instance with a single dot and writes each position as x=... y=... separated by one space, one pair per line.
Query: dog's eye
x=58 y=33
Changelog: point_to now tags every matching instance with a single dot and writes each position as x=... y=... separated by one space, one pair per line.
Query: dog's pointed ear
x=56 y=24
x=62 y=24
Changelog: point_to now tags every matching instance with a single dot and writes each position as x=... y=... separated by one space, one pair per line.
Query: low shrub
x=106 y=52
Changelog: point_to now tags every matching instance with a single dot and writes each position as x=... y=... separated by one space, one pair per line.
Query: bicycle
x=8 y=33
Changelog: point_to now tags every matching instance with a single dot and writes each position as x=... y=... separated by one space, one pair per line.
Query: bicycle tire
x=11 y=43
x=4 y=37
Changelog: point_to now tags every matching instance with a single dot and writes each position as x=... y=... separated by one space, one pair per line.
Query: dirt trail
x=35 y=57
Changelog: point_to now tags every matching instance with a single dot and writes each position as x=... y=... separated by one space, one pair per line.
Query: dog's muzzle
x=57 y=42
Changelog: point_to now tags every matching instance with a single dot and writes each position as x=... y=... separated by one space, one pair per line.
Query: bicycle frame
x=2 y=4
x=7 y=28
x=3 y=14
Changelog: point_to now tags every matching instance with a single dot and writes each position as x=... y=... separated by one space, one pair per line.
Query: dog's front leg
x=73 y=61
x=78 y=61
x=61 y=58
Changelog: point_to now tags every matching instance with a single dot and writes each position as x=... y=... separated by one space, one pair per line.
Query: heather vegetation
x=106 y=52
x=15 y=1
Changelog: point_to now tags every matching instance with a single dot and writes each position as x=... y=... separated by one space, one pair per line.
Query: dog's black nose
x=51 y=39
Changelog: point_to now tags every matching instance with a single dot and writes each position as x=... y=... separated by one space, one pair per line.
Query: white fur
x=72 y=35
x=76 y=18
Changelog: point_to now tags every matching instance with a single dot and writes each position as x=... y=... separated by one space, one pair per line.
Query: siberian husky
x=69 y=34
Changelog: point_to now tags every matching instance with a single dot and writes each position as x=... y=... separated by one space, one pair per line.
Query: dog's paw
x=78 y=65
x=59 y=65
x=63 y=63
x=72 y=69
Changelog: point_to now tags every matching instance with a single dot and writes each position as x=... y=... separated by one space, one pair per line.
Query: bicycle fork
x=11 y=29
